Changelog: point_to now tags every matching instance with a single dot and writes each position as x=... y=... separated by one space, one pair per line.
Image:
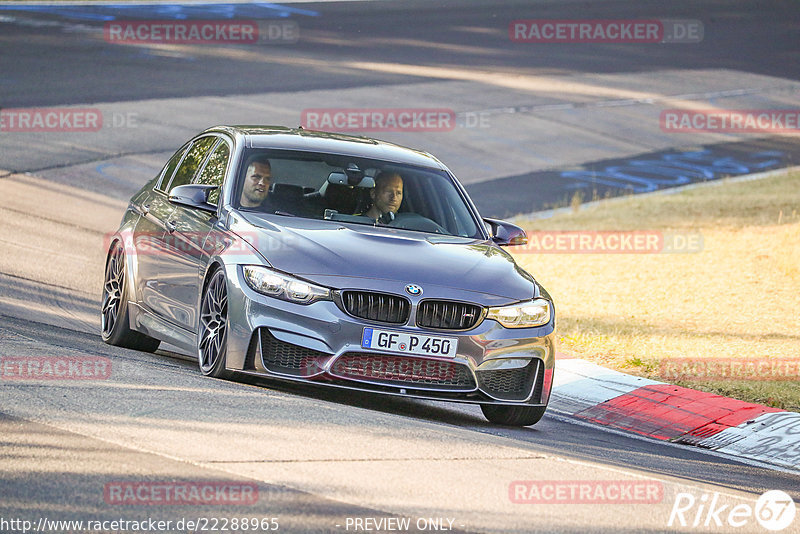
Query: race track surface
x=534 y=124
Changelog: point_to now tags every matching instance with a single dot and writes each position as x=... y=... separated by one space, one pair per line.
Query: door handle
x=171 y=226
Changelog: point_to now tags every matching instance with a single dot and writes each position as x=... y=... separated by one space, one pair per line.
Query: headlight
x=282 y=286
x=523 y=315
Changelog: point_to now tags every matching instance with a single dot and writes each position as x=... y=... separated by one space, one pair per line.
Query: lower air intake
x=404 y=371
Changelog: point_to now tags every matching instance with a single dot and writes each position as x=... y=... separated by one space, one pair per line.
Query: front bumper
x=321 y=343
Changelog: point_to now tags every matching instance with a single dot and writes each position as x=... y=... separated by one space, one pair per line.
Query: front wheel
x=513 y=415
x=212 y=336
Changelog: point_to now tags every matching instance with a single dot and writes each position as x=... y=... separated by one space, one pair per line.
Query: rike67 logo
x=774 y=510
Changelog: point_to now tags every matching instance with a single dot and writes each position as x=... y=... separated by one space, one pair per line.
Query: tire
x=115 y=325
x=513 y=415
x=212 y=333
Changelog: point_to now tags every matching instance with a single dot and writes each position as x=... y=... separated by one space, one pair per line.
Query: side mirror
x=193 y=196
x=506 y=234
x=340 y=178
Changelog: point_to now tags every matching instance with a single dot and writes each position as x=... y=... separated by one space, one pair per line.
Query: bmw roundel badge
x=413 y=289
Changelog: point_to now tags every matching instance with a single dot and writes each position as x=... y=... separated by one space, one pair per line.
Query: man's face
x=388 y=194
x=256 y=184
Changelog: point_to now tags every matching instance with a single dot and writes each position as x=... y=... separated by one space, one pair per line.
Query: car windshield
x=353 y=190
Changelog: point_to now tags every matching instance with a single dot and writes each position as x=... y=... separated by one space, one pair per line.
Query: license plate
x=407 y=343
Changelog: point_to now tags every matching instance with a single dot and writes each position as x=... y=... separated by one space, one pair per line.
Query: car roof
x=280 y=137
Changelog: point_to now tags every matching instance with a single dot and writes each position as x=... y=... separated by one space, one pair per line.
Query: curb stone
x=677 y=414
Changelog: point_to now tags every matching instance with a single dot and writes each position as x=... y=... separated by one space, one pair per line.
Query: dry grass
x=737 y=298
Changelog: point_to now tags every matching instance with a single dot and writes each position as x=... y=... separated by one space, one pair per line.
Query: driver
x=257 y=180
x=386 y=196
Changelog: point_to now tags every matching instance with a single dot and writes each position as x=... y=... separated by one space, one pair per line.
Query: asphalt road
x=526 y=113
x=318 y=458
x=471 y=35
x=312 y=452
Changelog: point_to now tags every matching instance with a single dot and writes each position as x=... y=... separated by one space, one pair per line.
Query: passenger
x=386 y=196
x=257 y=180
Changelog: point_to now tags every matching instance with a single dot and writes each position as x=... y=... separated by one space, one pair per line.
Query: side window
x=169 y=168
x=214 y=171
x=194 y=158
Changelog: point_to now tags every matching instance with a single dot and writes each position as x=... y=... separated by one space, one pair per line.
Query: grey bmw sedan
x=335 y=260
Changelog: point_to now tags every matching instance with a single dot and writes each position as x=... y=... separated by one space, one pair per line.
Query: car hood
x=324 y=251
